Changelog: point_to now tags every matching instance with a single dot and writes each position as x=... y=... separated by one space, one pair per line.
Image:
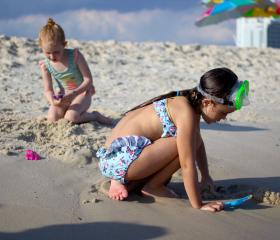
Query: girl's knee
x=53 y=117
x=72 y=116
x=55 y=113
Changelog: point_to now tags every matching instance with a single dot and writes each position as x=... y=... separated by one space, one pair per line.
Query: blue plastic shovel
x=237 y=202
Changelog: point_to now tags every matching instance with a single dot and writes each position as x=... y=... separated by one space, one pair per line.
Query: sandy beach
x=59 y=196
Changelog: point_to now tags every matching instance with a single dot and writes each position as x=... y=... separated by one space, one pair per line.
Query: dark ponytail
x=192 y=95
x=217 y=82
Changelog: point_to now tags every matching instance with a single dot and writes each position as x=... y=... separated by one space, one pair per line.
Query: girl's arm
x=47 y=81
x=85 y=71
x=201 y=159
x=185 y=121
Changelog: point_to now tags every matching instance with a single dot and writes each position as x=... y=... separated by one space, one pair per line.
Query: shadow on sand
x=243 y=184
x=229 y=127
x=86 y=231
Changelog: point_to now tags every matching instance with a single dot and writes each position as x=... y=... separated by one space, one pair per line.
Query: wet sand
x=59 y=197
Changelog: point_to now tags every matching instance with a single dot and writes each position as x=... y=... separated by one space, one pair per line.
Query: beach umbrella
x=265 y=10
x=210 y=3
x=228 y=9
x=225 y=10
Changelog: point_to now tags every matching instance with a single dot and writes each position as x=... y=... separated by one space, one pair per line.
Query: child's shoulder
x=75 y=52
x=42 y=64
x=181 y=103
x=71 y=50
x=180 y=107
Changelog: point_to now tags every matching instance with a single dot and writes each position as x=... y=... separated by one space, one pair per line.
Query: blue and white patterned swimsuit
x=169 y=128
x=114 y=161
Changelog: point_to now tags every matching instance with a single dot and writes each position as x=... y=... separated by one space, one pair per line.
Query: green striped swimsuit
x=69 y=79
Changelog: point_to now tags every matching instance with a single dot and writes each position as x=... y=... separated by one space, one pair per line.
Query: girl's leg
x=160 y=162
x=77 y=111
x=154 y=158
x=158 y=159
x=156 y=186
x=55 y=113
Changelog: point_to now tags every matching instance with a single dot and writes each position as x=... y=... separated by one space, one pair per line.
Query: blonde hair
x=51 y=32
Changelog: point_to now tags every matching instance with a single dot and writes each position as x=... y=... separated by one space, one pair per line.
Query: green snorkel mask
x=237 y=98
x=239 y=95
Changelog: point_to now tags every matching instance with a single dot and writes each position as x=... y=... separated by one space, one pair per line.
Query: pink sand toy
x=31 y=155
x=58 y=97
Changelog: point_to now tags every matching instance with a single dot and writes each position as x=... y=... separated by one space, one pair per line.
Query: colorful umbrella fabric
x=221 y=10
x=210 y=3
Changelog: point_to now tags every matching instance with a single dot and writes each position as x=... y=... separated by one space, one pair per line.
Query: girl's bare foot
x=117 y=191
x=158 y=192
x=103 y=119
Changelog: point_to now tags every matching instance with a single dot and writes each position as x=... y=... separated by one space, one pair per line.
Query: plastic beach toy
x=57 y=97
x=237 y=202
x=31 y=155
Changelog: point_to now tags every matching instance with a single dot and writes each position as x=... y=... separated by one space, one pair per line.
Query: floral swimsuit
x=115 y=160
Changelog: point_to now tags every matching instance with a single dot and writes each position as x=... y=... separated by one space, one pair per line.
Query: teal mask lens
x=241 y=94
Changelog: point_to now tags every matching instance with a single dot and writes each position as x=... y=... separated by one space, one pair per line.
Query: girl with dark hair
x=153 y=140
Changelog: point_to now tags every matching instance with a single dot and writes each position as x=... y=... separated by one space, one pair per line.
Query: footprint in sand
x=90 y=195
x=260 y=195
x=99 y=192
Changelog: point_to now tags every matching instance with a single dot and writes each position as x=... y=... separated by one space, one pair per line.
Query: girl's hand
x=56 y=102
x=68 y=98
x=60 y=101
x=207 y=183
x=213 y=206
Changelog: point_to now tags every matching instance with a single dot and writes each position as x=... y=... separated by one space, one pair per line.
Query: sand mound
x=62 y=140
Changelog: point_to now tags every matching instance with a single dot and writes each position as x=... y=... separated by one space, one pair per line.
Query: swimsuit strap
x=68 y=79
x=71 y=61
x=49 y=66
x=169 y=128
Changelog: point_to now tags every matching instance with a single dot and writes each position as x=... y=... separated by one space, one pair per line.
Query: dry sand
x=58 y=198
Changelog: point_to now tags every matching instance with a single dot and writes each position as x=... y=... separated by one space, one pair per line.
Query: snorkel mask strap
x=207 y=95
x=237 y=98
